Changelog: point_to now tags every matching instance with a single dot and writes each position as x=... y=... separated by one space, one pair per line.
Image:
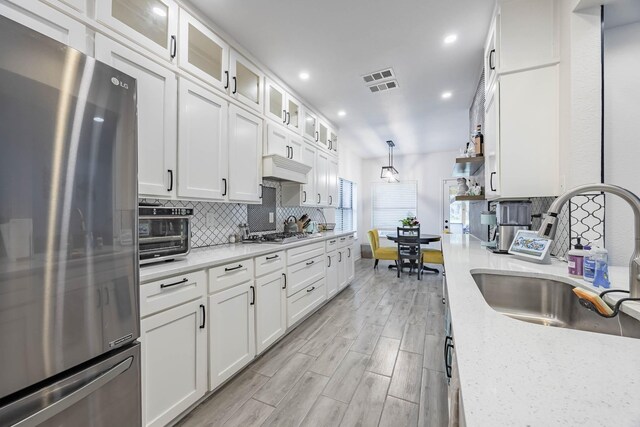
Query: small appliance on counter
x=164 y=233
x=291 y=225
x=511 y=216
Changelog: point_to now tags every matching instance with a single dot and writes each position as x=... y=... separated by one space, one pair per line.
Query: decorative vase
x=462 y=187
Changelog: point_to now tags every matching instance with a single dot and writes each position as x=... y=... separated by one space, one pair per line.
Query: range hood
x=280 y=168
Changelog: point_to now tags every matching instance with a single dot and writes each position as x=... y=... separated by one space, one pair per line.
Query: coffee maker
x=511 y=216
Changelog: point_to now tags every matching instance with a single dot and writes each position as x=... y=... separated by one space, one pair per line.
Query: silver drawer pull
x=185 y=280
x=272 y=257
x=311 y=290
x=310 y=262
x=233 y=268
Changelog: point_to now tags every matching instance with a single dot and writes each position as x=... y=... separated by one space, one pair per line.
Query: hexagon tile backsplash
x=229 y=215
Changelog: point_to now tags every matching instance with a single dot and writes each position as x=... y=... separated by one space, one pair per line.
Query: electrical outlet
x=271 y=217
x=210 y=221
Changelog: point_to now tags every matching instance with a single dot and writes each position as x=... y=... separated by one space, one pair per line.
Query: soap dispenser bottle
x=576 y=260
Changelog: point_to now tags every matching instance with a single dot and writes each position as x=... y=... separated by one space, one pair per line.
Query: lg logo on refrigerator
x=117 y=82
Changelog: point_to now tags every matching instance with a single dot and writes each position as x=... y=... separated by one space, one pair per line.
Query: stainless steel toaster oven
x=164 y=233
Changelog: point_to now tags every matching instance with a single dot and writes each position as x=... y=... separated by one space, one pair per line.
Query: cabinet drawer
x=345 y=241
x=269 y=263
x=304 y=253
x=332 y=244
x=225 y=276
x=303 y=274
x=303 y=303
x=171 y=292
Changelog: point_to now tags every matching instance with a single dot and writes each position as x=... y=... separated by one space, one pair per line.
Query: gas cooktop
x=279 y=237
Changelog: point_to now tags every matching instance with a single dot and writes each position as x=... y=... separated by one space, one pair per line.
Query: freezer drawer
x=104 y=394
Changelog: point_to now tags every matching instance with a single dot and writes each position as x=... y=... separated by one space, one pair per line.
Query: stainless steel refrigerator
x=69 y=302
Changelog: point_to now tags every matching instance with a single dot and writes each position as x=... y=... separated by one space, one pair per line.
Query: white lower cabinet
x=305 y=301
x=271 y=309
x=332 y=274
x=350 y=267
x=342 y=268
x=174 y=361
x=304 y=273
x=232 y=342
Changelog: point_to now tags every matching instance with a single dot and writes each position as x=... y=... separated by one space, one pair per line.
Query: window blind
x=345 y=213
x=393 y=201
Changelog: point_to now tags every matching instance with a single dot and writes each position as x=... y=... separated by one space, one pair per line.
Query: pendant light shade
x=389 y=173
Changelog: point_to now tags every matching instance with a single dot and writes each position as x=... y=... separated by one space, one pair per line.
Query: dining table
x=425 y=239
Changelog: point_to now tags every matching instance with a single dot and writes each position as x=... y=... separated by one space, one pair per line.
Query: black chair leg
x=398 y=267
x=375 y=264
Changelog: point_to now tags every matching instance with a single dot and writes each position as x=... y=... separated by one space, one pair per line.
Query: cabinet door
x=278 y=141
x=322 y=178
x=79 y=5
x=332 y=176
x=310 y=126
x=202 y=53
x=232 y=342
x=350 y=265
x=174 y=361
x=275 y=107
x=202 y=143
x=46 y=20
x=323 y=135
x=342 y=268
x=294 y=115
x=332 y=274
x=492 y=142
x=246 y=81
x=245 y=156
x=151 y=23
x=309 y=189
x=333 y=141
x=271 y=314
x=157 y=97
x=296 y=143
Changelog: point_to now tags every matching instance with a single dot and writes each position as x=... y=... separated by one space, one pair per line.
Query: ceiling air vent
x=380 y=87
x=379 y=75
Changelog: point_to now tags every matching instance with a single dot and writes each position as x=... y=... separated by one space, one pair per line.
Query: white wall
x=427 y=169
x=622 y=124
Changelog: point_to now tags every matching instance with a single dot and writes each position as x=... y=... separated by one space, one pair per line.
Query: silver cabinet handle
x=75 y=396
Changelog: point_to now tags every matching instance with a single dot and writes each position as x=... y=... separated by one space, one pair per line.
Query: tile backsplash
x=227 y=217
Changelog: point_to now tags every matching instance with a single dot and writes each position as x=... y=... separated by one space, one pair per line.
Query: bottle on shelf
x=478 y=141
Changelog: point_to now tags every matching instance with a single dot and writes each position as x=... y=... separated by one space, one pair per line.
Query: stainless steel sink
x=549 y=303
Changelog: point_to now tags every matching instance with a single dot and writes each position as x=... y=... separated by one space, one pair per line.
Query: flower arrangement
x=410 y=221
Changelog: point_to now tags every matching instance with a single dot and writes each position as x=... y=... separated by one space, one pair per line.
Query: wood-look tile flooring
x=370 y=357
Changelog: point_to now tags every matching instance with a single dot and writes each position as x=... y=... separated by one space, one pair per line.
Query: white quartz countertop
x=514 y=373
x=216 y=255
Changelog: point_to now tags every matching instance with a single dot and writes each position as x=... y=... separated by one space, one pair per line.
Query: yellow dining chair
x=381 y=253
x=433 y=256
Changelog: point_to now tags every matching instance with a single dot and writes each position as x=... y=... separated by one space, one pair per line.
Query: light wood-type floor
x=370 y=357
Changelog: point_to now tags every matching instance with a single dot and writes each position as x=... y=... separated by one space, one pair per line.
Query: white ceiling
x=337 y=41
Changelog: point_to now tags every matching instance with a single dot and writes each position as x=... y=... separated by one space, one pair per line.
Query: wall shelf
x=467 y=166
x=470 y=198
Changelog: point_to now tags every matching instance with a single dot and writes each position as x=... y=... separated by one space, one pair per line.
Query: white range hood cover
x=281 y=168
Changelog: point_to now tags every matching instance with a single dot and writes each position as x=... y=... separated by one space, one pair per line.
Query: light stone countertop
x=514 y=373
x=212 y=256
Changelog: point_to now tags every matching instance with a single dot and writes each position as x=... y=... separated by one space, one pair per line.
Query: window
x=392 y=202
x=346 y=217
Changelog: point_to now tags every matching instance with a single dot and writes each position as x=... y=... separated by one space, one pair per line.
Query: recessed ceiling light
x=451 y=38
x=304 y=75
x=159 y=11
x=446 y=95
x=98 y=119
x=342 y=113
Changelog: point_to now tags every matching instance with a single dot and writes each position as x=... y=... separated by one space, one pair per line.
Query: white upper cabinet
x=157 y=98
x=310 y=126
x=150 y=23
x=491 y=52
x=284 y=143
x=275 y=107
x=323 y=135
x=202 y=143
x=78 y=5
x=245 y=156
x=309 y=153
x=202 y=53
x=322 y=178
x=492 y=142
x=294 y=114
x=332 y=184
x=333 y=141
x=245 y=81
x=46 y=20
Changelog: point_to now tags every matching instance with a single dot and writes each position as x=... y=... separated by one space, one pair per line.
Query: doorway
x=455 y=214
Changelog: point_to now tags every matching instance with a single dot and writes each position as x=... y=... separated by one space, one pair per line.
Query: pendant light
x=389 y=173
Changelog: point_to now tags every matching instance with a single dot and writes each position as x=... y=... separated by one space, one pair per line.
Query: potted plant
x=410 y=221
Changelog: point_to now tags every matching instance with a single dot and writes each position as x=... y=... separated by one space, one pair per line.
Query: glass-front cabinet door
x=246 y=81
x=294 y=115
x=151 y=23
x=275 y=107
x=202 y=53
x=333 y=141
x=323 y=135
x=310 y=125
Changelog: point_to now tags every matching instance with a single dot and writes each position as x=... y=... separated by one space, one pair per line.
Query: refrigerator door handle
x=75 y=396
